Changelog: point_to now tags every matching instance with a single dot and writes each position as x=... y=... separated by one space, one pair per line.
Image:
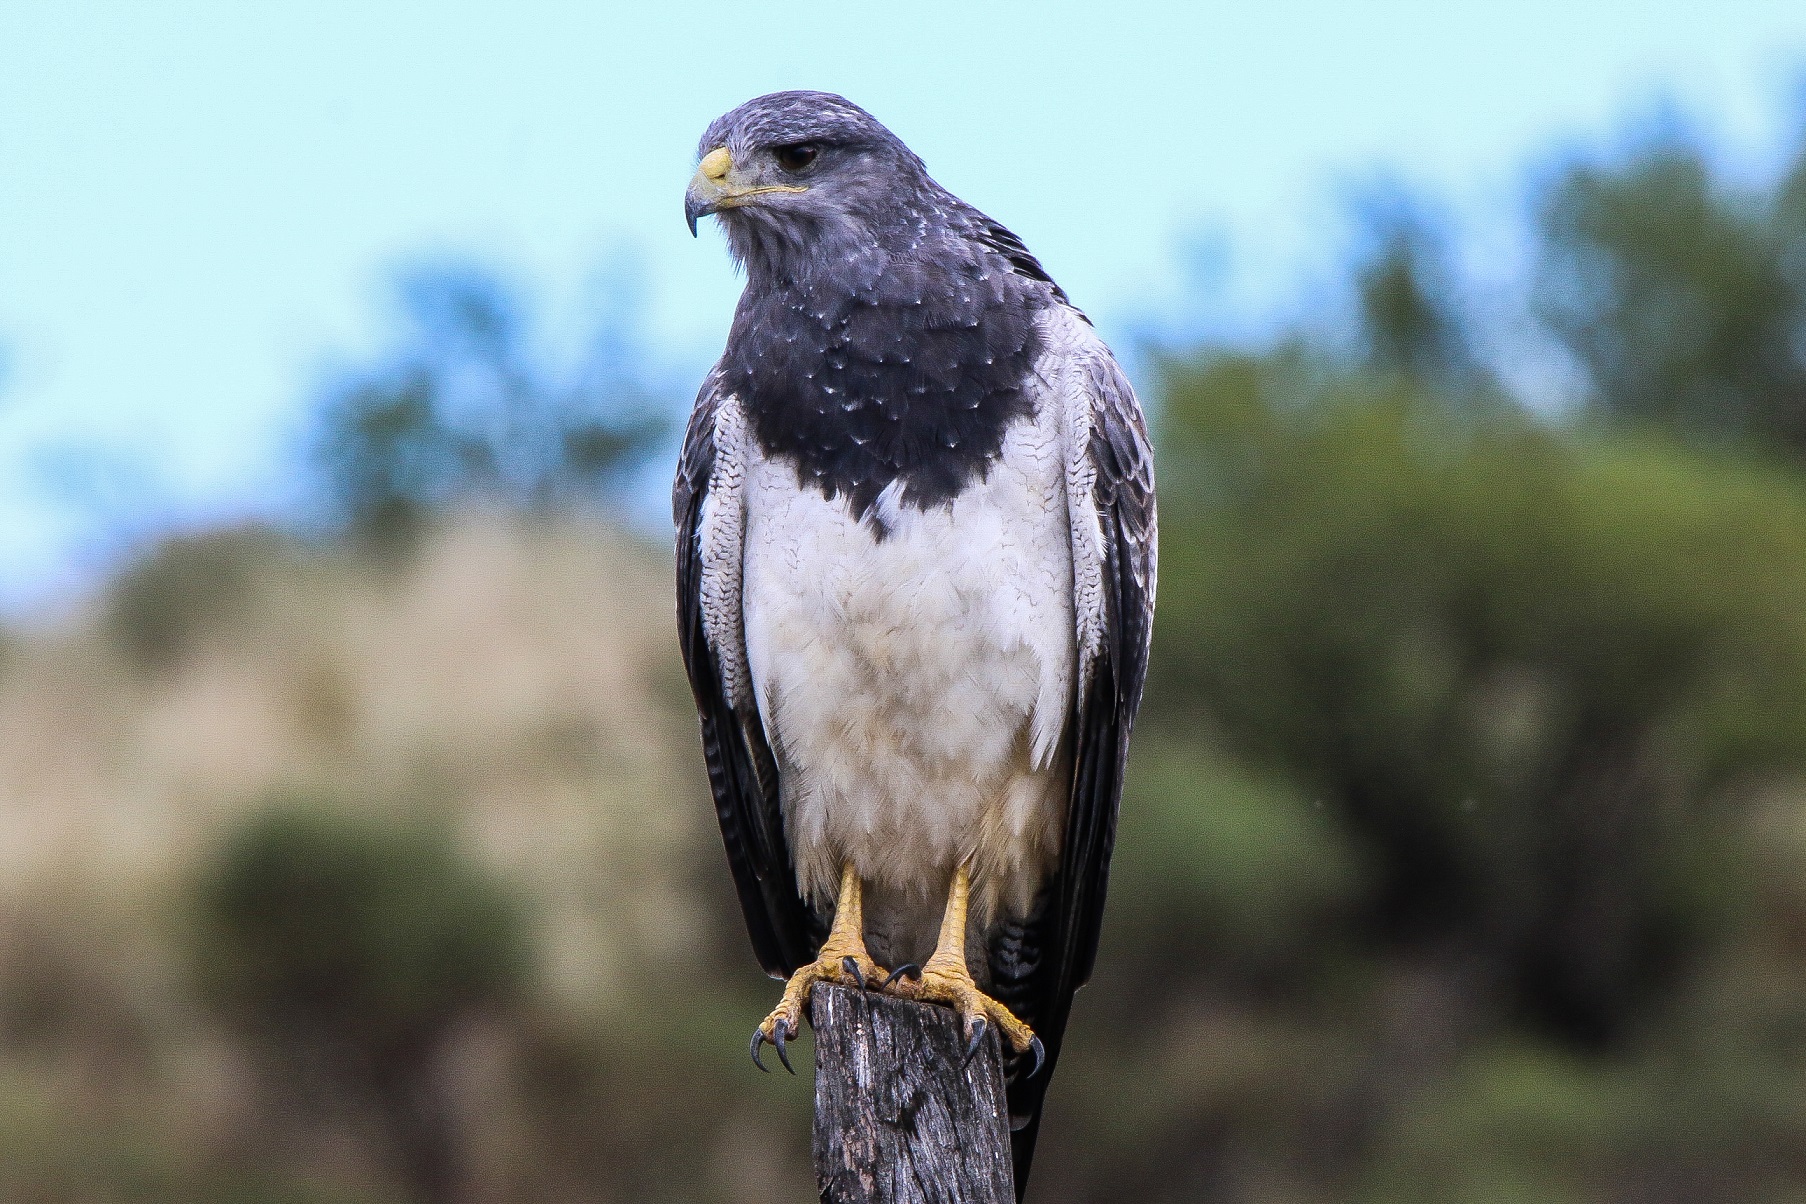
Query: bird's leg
x=843 y=959
x=946 y=979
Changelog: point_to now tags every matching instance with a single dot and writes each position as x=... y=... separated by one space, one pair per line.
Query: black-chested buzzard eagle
x=915 y=576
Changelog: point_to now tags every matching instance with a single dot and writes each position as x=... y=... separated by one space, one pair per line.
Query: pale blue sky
x=200 y=203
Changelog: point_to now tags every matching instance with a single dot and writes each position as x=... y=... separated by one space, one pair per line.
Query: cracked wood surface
x=897 y=1120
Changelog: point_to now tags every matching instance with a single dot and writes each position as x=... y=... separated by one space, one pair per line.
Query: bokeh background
x=354 y=844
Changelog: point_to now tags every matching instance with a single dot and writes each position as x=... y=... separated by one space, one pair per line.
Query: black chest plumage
x=900 y=370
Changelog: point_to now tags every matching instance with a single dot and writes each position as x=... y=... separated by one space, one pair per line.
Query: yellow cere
x=715 y=164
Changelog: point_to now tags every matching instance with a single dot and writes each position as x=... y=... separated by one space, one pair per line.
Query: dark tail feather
x=1022 y=1150
x=1025 y=1104
x=1037 y=969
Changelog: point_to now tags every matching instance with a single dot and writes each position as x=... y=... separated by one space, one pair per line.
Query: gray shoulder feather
x=1110 y=499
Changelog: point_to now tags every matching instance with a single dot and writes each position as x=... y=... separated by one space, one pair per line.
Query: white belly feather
x=915 y=687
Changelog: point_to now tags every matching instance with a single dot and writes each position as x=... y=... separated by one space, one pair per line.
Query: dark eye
x=797 y=157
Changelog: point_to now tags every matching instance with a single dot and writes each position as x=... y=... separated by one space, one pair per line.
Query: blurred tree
x=162 y=604
x=1518 y=666
x=350 y=950
x=1409 y=296
x=1682 y=297
x=463 y=411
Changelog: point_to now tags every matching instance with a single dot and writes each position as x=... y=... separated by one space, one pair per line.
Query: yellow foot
x=949 y=982
x=847 y=966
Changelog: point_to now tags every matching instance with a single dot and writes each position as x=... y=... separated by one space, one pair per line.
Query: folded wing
x=709 y=511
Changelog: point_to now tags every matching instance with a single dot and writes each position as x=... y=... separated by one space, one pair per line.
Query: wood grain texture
x=897 y=1119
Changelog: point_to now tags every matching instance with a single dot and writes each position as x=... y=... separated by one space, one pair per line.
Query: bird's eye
x=798 y=156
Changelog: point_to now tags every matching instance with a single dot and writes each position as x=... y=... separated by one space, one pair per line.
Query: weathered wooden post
x=898 y=1119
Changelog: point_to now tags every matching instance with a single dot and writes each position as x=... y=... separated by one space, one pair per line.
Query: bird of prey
x=915 y=575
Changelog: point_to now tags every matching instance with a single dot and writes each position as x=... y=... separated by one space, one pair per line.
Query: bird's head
x=794 y=175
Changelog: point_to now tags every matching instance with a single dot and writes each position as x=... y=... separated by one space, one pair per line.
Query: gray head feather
x=863 y=195
x=866 y=283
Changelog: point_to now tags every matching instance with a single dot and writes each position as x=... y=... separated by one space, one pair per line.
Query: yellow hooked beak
x=717 y=186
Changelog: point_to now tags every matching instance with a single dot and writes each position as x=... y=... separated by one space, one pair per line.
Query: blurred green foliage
x=1410 y=313
x=350 y=950
x=190 y=586
x=364 y=933
x=1518 y=665
x=1681 y=294
x=465 y=410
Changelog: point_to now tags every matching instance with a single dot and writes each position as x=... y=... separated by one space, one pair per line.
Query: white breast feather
x=916 y=688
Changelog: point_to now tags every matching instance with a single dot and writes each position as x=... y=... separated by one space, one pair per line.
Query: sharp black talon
x=758 y=1040
x=851 y=965
x=777 y=1039
x=1035 y=1047
x=974 y=1040
x=912 y=970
